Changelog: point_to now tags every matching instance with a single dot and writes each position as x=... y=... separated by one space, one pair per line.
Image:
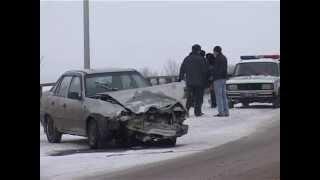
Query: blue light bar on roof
x=259 y=57
x=248 y=57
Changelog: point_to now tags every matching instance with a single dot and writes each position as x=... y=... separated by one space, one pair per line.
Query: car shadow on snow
x=75 y=141
x=112 y=148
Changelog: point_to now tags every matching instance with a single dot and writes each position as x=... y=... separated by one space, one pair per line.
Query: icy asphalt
x=254 y=157
x=71 y=159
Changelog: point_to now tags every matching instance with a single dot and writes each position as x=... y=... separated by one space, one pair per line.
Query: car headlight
x=232 y=87
x=267 y=86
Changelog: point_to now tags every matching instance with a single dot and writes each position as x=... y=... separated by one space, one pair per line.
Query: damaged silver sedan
x=113 y=105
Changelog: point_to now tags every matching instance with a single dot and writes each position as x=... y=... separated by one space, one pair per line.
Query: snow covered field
x=77 y=161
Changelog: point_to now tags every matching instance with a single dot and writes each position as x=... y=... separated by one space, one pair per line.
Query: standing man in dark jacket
x=205 y=85
x=219 y=83
x=194 y=68
x=210 y=63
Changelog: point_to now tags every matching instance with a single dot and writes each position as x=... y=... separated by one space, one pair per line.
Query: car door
x=59 y=104
x=50 y=103
x=74 y=108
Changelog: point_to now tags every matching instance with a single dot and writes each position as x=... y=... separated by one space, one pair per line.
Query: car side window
x=139 y=81
x=75 y=85
x=57 y=87
x=127 y=82
x=63 y=88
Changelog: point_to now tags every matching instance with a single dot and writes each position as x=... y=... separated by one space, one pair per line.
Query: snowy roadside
x=204 y=133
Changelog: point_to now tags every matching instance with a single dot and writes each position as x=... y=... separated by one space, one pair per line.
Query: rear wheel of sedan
x=53 y=135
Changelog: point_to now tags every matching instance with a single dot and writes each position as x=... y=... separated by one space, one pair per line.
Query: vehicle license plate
x=249 y=95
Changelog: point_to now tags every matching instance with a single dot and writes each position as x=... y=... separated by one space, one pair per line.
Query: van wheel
x=276 y=102
x=231 y=104
x=245 y=104
x=53 y=135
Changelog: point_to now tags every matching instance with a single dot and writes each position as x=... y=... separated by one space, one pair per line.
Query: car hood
x=142 y=99
x=253 y=79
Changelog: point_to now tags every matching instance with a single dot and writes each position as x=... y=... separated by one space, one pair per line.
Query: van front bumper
x=251 y=96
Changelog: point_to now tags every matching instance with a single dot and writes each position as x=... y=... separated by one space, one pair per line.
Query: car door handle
x=64 y=105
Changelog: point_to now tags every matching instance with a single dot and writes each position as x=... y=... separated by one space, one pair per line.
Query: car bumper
x=251 y=96
x=169 y=132
x=155 y=130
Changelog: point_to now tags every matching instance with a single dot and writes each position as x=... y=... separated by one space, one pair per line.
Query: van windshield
x=257 y=68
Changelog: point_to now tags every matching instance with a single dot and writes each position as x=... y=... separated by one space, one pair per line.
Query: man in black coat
x=203 y=54
x=219 y=81
x=210 y=63
x=194 y=68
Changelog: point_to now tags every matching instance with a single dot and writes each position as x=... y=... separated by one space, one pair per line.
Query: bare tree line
x=170 y=68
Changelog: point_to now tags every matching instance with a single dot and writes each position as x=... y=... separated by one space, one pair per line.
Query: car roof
x=101 y=70
x=260 y=60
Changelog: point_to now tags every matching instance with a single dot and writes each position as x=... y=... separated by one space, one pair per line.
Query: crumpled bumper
x=176 y=132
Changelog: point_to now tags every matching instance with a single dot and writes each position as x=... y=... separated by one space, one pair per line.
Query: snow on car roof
x=102 y=70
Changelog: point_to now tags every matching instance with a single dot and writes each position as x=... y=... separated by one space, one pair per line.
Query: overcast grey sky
x=147 y=34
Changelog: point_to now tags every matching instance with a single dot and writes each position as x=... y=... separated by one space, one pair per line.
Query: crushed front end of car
x=148 y=117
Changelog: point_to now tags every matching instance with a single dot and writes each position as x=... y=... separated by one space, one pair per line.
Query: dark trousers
x=195 y=98
x=201 y=96
x=213 y=99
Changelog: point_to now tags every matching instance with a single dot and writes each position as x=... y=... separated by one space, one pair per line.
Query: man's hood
x=252 y=79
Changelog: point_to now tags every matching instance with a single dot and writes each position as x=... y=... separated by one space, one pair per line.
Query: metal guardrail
x=47 y=84
x=167 y=79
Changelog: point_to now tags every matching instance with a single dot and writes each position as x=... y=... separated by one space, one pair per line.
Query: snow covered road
x=71 y=159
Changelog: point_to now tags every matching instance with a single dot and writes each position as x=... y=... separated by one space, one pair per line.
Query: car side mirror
x=74 y=95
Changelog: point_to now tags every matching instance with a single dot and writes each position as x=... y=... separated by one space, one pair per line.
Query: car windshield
x=257 y=68
x=105 y=82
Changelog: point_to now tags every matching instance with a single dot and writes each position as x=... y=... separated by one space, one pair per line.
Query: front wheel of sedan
x=97 y=138
x=53 y=135
x=171 y=142
x=93 y=134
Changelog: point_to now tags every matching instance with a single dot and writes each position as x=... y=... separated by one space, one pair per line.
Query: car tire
x=276 y=102
x=53 y=135
x=96 y=138
x=231 y=104
x=126 y=140
x=245 y=104
x=169 y=142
